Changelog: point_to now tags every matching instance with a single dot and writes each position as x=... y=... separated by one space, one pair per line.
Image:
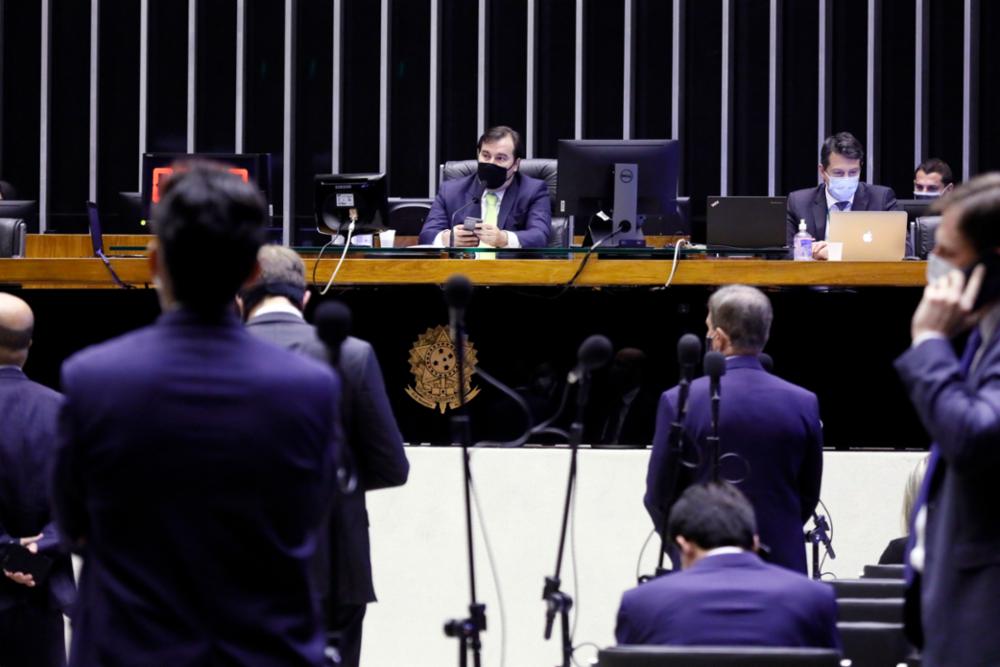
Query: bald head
x=16 y=325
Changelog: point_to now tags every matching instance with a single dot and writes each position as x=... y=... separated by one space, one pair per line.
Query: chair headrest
x=545 y=169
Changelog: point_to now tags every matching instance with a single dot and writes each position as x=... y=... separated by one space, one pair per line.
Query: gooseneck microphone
x=595 y=352
x=715 y=368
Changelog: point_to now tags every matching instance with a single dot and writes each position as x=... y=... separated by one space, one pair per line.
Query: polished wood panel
x=79 y=245
x=90 y=272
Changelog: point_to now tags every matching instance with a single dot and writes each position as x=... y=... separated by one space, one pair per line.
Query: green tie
x=490 y=209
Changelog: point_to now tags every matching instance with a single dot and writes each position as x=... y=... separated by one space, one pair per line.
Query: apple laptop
x=873 y=236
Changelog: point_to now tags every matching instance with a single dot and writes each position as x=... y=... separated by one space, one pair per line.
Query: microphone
x=715 y=368
x=333 y=325
x=594 y=352
x=688 y=351
x=767 y=361
x=457 y=294
x=451 y=228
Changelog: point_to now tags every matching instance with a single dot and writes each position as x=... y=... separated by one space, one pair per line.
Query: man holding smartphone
x=496 y=207
x=37 y=580
x=954 y=555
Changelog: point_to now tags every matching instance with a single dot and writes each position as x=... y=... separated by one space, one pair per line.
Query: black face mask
x=491 y=175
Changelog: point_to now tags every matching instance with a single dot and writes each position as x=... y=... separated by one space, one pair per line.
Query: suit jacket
x=774 y=426
x=526 y=209
x=195 y=464
x=373 y=441
x=730 y=599
x=810 y=205
x=27 y=446
x=960 y=584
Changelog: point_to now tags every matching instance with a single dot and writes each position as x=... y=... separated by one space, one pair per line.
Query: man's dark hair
x=713 y=515
x=842 y=143
x=210 y=225
x=936 y=166
x=978 y=206
x=499 y=132
x=15 y=340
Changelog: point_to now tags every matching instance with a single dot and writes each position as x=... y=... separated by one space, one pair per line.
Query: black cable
x=517 y=398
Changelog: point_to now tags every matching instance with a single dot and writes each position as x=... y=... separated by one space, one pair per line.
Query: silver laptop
x=872 y=236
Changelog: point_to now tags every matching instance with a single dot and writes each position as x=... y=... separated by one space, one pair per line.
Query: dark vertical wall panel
x=69 y=96
x=798 y=90
x=264 y=88
x=944 y=59
x=749 y=97
x=896 y=103
x=848 y=68
x=554 y=70
x=506 y=60
x=21 y=92
x=702 y=105
x=313 y=103
x=361 y=43
x=603 y=65
x=653 y=40
x=989 y=100
x=215 y=78
x=168 y=53
x=409 y=112
x=118 y=102
x=457 y=79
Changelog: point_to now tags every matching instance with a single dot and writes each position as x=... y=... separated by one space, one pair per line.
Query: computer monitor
x=20 y=209
x=625 y=180
x=341 y=198
x=915 y=208
x=157 y=167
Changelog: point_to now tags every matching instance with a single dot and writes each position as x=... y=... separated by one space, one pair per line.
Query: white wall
x=418 y=545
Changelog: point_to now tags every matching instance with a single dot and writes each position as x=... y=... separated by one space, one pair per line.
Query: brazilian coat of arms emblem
x=434 y=365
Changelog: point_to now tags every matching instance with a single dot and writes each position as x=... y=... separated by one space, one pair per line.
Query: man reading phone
x=954 y=554
x=514 y=209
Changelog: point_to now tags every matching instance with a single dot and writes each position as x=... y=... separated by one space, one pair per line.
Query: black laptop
x=745 y=223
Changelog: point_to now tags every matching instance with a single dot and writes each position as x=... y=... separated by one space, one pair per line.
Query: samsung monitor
x=157 y=167
x=613 y=185
x=345 y=198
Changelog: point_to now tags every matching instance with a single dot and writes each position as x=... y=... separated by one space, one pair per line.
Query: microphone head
x=458 y=291
x=688 y=349
x=333 y=323
x=595 y=352
x=715 y=365
x=766 y=361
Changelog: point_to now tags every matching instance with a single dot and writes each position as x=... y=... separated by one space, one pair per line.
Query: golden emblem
x=434 y=365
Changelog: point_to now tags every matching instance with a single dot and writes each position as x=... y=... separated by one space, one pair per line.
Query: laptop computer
x=753 y=223
x=873 y=236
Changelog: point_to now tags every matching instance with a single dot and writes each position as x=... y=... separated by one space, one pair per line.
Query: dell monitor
x=157 y=167
x=345 y=198
x=618 y=182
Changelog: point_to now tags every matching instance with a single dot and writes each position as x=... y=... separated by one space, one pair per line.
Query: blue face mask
x=843 y=188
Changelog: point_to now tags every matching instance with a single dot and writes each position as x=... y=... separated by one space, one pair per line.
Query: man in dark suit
x=272 y=305
x=955 y=536
x=31 y=611
x=197 y=460
x=770 y=425
x=515 y=209
x=840 y=161
x=725 y=595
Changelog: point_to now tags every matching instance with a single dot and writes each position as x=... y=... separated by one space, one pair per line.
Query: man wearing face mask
x=954 y=554
x=841 y=158
x=770 y=425
x=931 y=179
x=515 y=209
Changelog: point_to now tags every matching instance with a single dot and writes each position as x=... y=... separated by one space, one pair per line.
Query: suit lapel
x=509 y=198
x=819 y=212
x=861 y=198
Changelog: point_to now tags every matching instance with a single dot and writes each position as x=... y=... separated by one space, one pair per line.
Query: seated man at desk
x=841 y=158
x=514 y=209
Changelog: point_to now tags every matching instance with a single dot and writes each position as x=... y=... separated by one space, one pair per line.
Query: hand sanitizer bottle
x=802 y=244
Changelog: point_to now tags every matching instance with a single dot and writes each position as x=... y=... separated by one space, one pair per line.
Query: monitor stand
x=625 y=220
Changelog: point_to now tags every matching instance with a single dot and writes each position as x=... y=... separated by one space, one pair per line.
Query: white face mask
x=926 y=195
x=938 y=268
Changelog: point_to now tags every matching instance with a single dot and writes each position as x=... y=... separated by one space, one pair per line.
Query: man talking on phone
x=954 y=554
x=506 y=208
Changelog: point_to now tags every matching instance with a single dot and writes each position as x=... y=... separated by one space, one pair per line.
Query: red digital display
x=161 y=174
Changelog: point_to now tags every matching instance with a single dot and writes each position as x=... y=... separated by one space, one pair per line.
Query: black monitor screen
x=341 y=197
x=586 y=168
x=20 y=209
x=157 y=167
x=915 y=208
